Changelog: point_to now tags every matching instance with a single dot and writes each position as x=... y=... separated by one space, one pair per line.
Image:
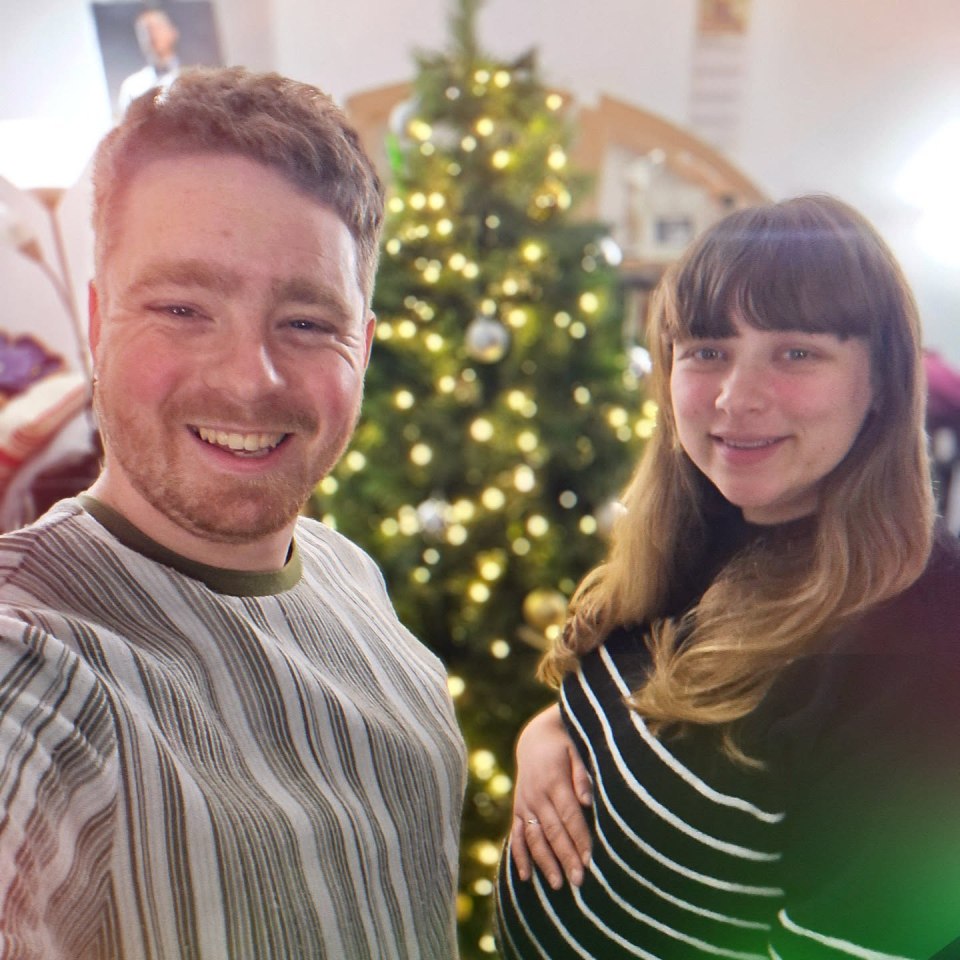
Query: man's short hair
x=292 y=128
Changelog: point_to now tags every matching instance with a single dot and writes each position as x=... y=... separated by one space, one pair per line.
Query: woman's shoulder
x=890 y=676
x=925 y=618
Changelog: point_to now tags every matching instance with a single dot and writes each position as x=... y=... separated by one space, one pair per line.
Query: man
x=157 y=37
x=216 y=739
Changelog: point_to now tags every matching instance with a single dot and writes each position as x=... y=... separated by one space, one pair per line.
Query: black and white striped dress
x=210 y=765
x=846 y=845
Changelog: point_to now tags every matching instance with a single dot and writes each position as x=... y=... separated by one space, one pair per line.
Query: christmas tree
x=501 y=416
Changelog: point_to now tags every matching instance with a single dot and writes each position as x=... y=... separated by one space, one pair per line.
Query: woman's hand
x=552 y=784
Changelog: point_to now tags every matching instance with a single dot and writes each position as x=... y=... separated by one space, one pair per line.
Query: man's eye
x=308 y=325
x=799 y=353
x=178 y=310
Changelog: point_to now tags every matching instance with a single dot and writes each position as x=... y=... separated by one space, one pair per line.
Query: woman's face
x=766 y=415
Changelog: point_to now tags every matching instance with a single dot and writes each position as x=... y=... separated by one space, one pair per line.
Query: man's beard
x=216 y=507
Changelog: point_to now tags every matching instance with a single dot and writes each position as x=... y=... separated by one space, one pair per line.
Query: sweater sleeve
x=58 y=775
x=865 y=742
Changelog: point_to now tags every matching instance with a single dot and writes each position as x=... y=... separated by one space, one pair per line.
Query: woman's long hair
x=811 y=264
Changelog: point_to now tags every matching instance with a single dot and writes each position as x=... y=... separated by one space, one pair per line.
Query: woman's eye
x=706 y=353
x=799 y=353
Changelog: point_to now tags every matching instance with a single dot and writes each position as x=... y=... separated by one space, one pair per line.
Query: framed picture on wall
x=144 y=45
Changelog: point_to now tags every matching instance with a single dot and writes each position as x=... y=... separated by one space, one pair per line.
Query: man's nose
x=245 y=365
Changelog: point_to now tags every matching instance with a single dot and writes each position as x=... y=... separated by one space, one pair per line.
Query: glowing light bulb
x=421 y=454
x=500 y=785
x=419 y=129
x=589 y=302
x=481 y=430
x=524 y=478
x=532 y=252
x=617 y=416
x=478 y=592
x=500 y=649
x=490 y=569
x=537 y=525
x=493 y=498
x=556 y=158
x=528 y=441
x=457 y=534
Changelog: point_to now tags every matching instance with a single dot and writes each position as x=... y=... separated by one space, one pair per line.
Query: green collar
x=233 y=583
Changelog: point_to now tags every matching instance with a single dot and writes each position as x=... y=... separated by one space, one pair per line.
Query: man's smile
x=255 y=444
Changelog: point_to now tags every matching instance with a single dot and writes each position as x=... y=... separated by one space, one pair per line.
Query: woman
x=763 y=679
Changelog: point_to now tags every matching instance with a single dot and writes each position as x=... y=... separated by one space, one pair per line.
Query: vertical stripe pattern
x=190 y=774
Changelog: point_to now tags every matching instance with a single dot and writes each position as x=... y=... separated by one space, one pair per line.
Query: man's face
x=230 y=339
x=157 y=36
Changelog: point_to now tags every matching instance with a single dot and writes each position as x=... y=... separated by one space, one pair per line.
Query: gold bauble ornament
x=544 y=608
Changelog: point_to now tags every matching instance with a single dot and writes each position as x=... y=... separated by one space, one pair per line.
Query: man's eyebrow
x=188 y=273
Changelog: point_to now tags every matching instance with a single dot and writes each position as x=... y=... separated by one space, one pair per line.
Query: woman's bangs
x=775 y=277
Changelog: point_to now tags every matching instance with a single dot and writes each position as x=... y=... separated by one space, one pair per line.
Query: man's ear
x=93 y=329
x=368 y=334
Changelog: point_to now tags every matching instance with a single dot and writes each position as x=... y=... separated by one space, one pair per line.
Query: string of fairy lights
x=499 y=513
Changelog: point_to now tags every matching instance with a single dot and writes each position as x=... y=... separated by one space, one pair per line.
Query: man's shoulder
x=317 y=540
x=57 y=529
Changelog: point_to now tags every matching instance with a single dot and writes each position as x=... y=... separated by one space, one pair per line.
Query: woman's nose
x=744 y=388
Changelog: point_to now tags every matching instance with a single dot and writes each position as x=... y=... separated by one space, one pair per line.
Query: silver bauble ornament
x=432 y=516
x=640 y=362
x=487 y=339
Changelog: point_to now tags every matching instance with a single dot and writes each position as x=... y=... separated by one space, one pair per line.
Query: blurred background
x=545 y=161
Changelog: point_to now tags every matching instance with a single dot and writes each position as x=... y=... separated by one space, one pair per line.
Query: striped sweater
x=846 y=845
x=205 y=764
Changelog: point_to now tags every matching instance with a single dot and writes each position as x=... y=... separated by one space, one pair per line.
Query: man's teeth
x=248 y=442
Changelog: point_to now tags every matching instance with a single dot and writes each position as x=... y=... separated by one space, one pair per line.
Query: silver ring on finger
x=533 y=821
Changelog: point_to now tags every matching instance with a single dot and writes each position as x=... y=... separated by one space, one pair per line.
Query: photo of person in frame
x=145 y=45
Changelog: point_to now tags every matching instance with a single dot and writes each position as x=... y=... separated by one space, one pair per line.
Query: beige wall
x=836 y=95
